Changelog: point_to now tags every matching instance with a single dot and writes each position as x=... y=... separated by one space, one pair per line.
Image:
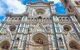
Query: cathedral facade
x=40 y=28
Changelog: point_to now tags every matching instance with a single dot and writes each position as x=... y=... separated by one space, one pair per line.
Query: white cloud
x=15 y=6
x=2 y=12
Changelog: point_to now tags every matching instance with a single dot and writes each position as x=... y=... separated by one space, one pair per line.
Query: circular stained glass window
x=66 y=28
x=12 y=28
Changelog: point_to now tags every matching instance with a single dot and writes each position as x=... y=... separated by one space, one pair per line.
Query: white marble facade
x=42 y=31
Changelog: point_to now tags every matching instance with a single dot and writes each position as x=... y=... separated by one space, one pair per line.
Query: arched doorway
x=5 y=45
x=41 y=42
x=74 y=45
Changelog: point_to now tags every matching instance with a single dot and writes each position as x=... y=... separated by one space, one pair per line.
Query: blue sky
x=16 y=6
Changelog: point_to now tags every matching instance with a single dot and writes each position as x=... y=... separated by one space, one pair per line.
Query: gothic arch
x=41 y=40
x=74 y=45
x=5 y=44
